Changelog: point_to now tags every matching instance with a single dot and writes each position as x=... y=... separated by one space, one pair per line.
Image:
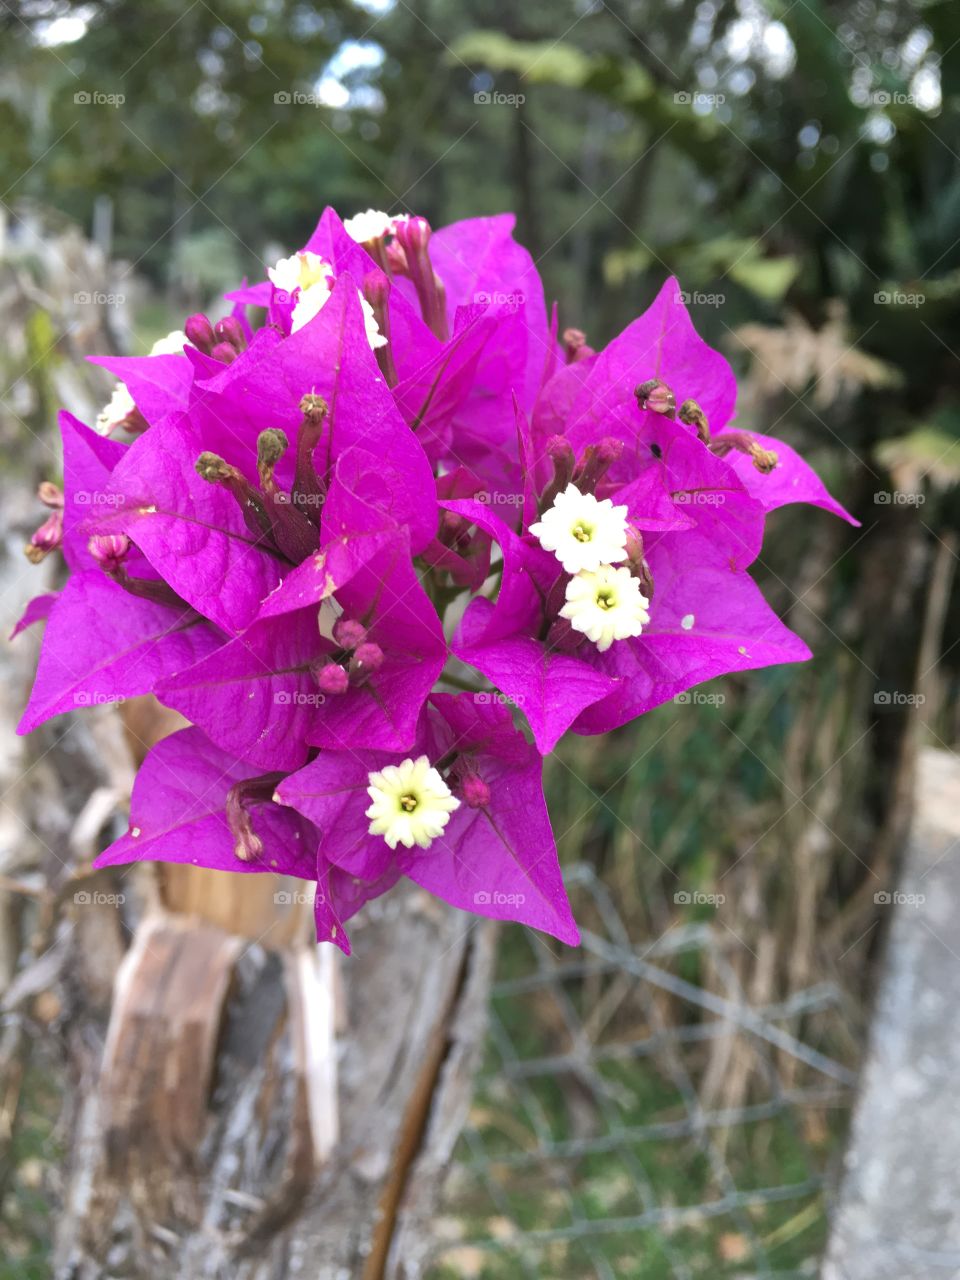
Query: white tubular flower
x=311 y=302
x=371 y=225
x=300 y=271
x=172 y=345
x=411 y=803
x=606 y=605
x=582 y=532
x=374 y=336
x=121 y=401
x=114 y=412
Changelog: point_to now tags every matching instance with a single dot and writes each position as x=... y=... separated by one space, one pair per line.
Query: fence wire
x=599 y=1144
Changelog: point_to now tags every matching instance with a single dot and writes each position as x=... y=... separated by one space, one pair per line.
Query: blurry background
x=796 y=165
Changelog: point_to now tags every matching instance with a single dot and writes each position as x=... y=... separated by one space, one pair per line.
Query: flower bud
x=366 y=661
x=200 y=333
x=575 y=345
x=329 y=677
x=50 y=494
x=348 y=633
x=596 y=462
x=473 y=789
x=46 y=539
x=560 y=452
x=109 y=550
x=230 y=330
x=655 y=395
x=224 y=352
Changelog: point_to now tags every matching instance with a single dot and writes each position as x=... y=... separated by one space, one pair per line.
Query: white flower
x=374 y=336
x=114 y=412
x=300 y=271
x=368 y=226
x=582 y=532
x=606 y=605
x=172 y=345
x=411 y=803
x=121 y=401
x=310 y=302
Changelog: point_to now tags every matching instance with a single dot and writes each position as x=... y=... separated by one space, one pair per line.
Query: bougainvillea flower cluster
x=382 y=535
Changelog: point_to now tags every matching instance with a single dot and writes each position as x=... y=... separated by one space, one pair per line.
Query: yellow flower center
x=408 y=802
x=582 y=532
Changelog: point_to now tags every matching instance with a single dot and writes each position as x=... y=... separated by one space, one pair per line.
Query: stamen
x=693 y=416
x=247 y=844
x=309 y=491
x=293 y=531
x=212 y=468
x=765 y=460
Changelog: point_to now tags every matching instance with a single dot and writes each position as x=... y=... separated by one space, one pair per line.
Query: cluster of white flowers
x=589 y=536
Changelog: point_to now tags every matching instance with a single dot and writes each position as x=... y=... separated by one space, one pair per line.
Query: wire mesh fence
x=637 y=1119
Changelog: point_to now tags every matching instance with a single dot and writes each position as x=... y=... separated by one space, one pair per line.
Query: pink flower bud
x=224 y=353
x=367 y=659
x=109 y=550
x=330 y=678
x=230 y=330
x=348 y=633
x=199 y=331
x=475 y=792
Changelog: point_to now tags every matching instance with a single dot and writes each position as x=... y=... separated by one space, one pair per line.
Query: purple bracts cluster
x=384 y=475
